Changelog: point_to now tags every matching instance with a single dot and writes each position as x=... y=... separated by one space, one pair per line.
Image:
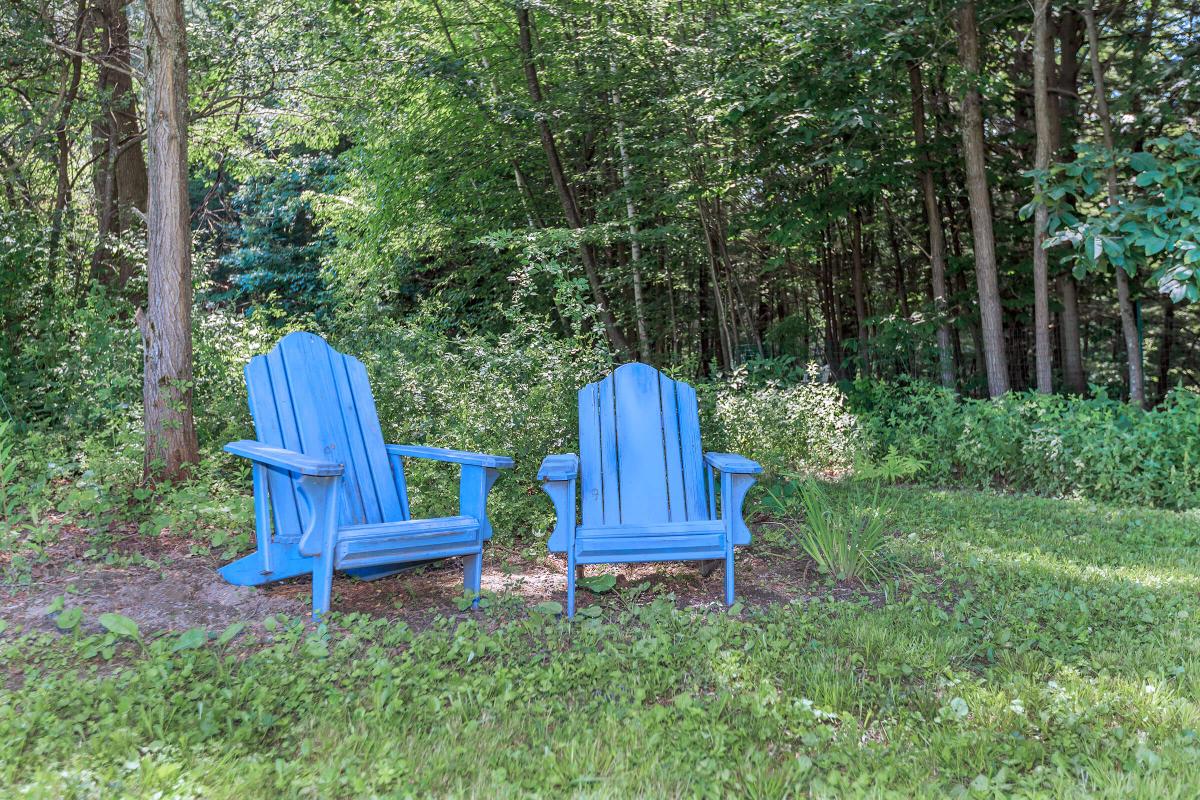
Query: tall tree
x=990 y=312
x=566 y=196
x=166 y=322
x=120 y=164
x=933 y=220
x=1041 y=215
x=1068 y=104
x=1129 y=331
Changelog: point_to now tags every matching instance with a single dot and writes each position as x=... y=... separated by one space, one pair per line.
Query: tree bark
x=1072 y=359
x=937 y=236
x=166 y=323
x=1165 y=347
x=635 y=246
x=1068 y=88
x=990 y=311
x=62 y=191
x=860 y=299
x=120 y=178
x=1041 y=215
x=563 y=187
x=894 y=245
x=1133 y=347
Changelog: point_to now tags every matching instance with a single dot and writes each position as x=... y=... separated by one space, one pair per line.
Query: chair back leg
x=473 y=576
x=571 y=581
x=729 y=575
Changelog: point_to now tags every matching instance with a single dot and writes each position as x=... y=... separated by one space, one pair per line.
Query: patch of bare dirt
x=172 y=589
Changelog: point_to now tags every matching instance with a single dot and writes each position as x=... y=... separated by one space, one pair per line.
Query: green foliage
x=1155 y=224
x=847 y=539
x=1096 y=448
x=598 y=584
x=276 y=247
x=1051 y=651
x=804 y=427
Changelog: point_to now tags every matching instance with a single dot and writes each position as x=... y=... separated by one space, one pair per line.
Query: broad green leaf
x=598 y=584
x=190 y=640
x=1143 y=161
x=229 y=633
x=1154 y=245
x=69 y=619
x=120 y=625
x=548 y=608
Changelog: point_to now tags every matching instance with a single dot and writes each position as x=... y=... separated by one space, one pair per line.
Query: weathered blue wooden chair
x=328 y=493
x=646 y=494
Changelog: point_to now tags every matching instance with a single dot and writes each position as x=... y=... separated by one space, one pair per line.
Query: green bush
x=1096 y=448
x=806 y=427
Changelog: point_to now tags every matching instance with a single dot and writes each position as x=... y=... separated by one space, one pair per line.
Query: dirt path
x=174 y=590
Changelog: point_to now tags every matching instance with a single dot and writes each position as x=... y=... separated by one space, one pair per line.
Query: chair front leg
x=320 y=495
x=562 y=538
x=734 y=487
x=473 y=486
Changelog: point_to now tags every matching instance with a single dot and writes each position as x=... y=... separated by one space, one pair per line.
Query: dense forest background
x=986 y=195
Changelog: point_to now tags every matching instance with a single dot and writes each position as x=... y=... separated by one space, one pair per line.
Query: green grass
x=1048 y=648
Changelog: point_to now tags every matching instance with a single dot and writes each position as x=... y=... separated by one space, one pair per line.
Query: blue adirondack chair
x=646 y=495
x=328 y=493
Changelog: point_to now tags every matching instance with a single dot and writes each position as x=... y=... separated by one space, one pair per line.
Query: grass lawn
x=1036 y=648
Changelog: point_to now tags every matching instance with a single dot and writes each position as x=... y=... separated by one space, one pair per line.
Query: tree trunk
x=1041 y=215
x=990 y=311
x=860 y=299
x=937 y=236
x=120 y=178
x=1165 y=347
x=1071 y=352
x=62 y=191
x=1068 y=87
x=635 y=246
x=1129 y=331
x=723 y=327
x=561 y=185
x=166 y=323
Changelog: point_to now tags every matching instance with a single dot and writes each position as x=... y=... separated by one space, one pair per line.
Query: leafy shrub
x=847 y=539
x=806 y=427
x=1097 y=448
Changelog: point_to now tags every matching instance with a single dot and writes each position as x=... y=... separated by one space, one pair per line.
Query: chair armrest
x=559 y=468
x=284 y=459
x=450 y=456
x=558 y=476
x=732 y=464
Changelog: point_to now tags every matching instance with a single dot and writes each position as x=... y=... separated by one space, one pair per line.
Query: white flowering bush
x=805 y=427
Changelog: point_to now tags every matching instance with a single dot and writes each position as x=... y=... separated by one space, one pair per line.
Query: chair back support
x=639 y=448
x=306 y=396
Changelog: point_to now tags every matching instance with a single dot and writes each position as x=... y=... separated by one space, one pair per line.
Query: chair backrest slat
x=306 y=396
x=639 y=447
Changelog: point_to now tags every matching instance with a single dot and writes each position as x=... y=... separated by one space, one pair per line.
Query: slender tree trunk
x=990 y=311
x=166 y=323
x=62 y=190
x=1133 y=349
x=1072 y=357
x=1165 y=347
x=635 y=246
x=120 y=179
x=561 y=185
x=1068 y=88
x=860 y=298
x=937 y=236
x=1041 y=216
x=723 y=327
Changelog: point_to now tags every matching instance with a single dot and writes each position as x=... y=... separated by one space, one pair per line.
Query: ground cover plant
x=1037 y=647
x=910 y=254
